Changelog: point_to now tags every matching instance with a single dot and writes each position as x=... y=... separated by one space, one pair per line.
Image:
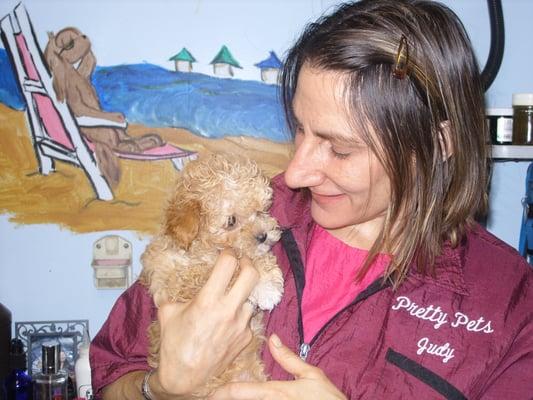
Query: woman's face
x=349 y=188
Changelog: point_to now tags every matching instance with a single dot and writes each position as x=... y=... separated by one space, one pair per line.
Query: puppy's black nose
x=261 y=237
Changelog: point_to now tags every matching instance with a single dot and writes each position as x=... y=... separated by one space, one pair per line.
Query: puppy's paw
x=267 y=294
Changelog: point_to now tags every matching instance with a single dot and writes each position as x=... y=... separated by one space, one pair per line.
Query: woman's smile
x=326 y=198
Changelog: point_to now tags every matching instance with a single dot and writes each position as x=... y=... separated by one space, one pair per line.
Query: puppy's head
x=70 y=44
x=258 y=235
x=222 y=201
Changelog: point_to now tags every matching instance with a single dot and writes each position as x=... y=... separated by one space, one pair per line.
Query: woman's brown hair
x=412 y=118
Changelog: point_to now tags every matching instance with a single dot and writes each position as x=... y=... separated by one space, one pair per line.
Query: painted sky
x=133 y=31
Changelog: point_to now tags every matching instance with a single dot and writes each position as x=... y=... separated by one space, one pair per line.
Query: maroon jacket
x=465 y=333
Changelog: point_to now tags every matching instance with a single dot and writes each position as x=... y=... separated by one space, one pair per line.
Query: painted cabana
x=183 y=61
x=224 y=62
x=270 y=68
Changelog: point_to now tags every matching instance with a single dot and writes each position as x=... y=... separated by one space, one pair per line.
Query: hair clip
x=402 y=58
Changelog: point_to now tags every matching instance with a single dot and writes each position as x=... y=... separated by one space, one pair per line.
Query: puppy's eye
x=69 y=45
x=230 y=223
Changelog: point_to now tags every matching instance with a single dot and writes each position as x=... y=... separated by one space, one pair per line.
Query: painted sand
x=66 y=198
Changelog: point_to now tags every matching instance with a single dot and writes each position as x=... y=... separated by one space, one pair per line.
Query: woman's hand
x=310 y=382
x=199 y=339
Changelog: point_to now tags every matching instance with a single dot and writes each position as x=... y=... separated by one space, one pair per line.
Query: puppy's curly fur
x=220 y=201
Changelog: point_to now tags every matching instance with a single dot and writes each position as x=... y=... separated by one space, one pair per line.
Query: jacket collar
x=290 y=207
x=292 y=210
x=449 y=272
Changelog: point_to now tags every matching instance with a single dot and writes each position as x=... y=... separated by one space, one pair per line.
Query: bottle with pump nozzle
x=82 y=369
x=17 y=385
x=51 y=383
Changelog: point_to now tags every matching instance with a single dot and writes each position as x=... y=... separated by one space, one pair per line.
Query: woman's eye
x=230 y=223
x=339 y=154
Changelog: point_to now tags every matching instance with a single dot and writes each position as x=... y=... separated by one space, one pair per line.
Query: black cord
x=497 y=43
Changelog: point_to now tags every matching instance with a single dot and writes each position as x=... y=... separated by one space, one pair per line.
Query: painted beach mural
x=93 y=147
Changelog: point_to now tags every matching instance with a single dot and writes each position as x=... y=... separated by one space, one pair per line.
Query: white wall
x=45 y=271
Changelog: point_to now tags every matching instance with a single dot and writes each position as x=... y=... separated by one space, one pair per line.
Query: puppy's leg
x=269 y=290
x=149 y=141
x=108 y=163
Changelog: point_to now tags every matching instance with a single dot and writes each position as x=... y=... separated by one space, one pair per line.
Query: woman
x=391 y=289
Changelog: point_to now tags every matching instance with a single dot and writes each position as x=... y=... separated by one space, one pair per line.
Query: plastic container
x=83 y=369
x=523 y=118
x=500 y=124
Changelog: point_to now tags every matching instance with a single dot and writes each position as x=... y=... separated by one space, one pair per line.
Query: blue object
x=18 y=384
x=205 y=105
x=525 y=245
x=10 y=93
x=271 y=62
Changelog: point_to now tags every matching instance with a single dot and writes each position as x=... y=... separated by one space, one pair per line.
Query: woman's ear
x=182 y=222
x=445 y=140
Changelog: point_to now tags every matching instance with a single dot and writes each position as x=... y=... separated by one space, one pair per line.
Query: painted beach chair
x=54 y=129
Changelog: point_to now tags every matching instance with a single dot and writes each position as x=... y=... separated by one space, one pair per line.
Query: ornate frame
x=67 y=332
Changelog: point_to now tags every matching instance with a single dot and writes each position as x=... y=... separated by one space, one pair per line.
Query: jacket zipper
x=305 y=348
x=295 y=260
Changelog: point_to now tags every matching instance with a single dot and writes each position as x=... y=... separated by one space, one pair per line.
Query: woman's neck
x=362 y=236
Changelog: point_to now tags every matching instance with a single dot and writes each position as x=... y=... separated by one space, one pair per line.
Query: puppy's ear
x=55 y=66
x=183 y=222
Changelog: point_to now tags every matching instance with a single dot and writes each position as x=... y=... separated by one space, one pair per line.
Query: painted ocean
x=153 y=96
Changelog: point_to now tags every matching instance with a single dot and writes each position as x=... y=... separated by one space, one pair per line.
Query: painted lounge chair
x=54 y=129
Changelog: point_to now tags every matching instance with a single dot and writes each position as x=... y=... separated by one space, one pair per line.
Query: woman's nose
x=305 y=167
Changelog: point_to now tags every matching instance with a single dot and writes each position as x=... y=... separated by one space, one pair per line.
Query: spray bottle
x=82 y=368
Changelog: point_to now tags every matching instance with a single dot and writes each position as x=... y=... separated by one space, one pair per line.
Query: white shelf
x=510 y=152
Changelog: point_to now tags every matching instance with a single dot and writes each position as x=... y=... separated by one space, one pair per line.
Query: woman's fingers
x=221 y=275
x=248 y=311
x=233 y=301
x=288 y=360
x=244 y=284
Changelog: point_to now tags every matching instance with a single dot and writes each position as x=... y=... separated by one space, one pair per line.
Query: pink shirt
x=330 y=279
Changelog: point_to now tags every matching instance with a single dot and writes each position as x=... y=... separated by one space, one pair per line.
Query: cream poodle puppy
x=220 y=201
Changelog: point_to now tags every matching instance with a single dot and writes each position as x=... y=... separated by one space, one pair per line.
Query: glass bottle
x=500 y=122
x=51 y=383
x=17 y=385
x=523 y=118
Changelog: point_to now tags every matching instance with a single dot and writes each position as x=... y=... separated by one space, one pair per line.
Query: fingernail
x=275 y=340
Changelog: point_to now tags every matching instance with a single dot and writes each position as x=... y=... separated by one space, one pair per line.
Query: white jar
x=82 y=369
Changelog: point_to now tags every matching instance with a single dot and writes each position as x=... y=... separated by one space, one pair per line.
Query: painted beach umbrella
x=270 y=68
x=224 y=62
x=183 y=60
